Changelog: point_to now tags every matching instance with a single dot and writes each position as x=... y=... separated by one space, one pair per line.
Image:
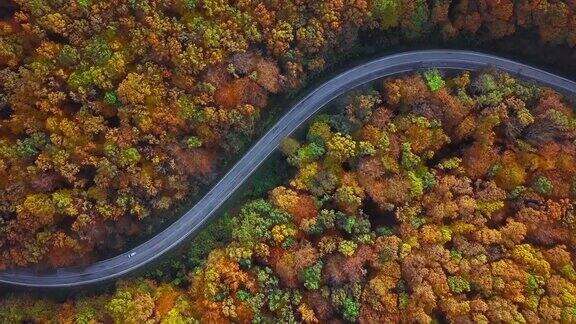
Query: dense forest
x=430 y=198
x=427 y=198
x=114 y=112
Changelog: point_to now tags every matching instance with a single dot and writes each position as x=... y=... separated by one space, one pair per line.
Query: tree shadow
x=7 y=9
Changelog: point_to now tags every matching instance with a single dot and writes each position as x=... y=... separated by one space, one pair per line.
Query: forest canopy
x=428 y=198
x=114 y=112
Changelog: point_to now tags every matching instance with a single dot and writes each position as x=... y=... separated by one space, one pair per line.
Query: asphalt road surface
x=191 y=222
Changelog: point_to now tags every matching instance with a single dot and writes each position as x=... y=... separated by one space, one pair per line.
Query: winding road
x=191 y=222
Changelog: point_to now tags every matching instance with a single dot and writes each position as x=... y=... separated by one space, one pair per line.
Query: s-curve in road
x=191 y=222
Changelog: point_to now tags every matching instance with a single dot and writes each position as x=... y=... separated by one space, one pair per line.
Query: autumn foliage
x=113 y=112
x=432 y=198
